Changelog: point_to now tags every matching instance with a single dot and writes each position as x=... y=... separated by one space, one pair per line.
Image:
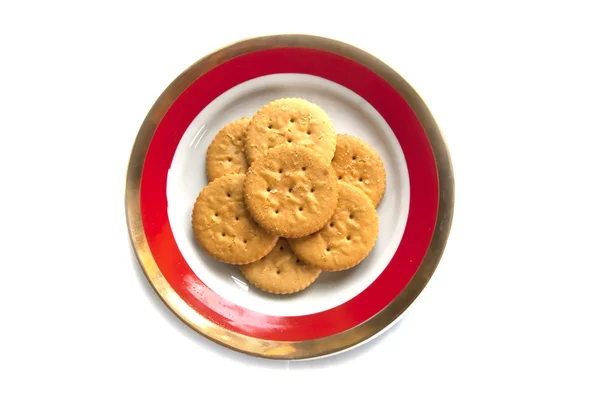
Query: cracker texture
x=280 y=271
x=222 y=226
x=357 y=163
x=347 y=238
x=290 y=120
x=291 y=192
x=225 y=154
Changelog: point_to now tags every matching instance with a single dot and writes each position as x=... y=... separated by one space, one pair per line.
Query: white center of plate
x=350 y=114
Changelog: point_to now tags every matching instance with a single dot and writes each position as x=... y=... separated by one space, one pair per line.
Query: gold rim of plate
x=289 y=350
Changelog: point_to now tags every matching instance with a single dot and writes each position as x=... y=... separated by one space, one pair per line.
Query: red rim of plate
x=424 y=192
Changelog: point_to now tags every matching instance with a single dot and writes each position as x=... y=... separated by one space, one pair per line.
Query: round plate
x=364 y=98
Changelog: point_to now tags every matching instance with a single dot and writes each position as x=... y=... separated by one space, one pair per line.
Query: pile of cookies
x=288 y=198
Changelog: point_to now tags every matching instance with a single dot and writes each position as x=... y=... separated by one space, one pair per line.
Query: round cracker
x=291 y=192
x=223 y=227
x=225 y=154
x=348 y=237
x=357 y=163
x=290 y=120
x=280 y=271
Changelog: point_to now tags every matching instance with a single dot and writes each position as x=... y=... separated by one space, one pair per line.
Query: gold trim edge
x=289 y=350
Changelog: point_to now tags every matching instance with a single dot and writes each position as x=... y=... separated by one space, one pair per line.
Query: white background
x=513 y=309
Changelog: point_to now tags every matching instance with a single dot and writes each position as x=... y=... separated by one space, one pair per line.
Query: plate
x=363 y=97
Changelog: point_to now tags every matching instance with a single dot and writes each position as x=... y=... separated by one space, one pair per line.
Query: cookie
x=290 y=121
x=225 y=154
x=347 y=238
x=357 y=163
x=291 y=192
x=280 y=272
x=223 y=227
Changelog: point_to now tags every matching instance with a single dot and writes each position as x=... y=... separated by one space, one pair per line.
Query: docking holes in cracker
x=357 y=163
x=348 y=237
x=290 y=121
x=291 y=192
x=225 y=154
x=280 y=271
x=223 y=227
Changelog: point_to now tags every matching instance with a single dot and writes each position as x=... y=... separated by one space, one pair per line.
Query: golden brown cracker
x=225 y=154
x=291 y=192
x=223 y=227
x=280 y=271
x=357 y=163
x=347 y=238
x=292 y=121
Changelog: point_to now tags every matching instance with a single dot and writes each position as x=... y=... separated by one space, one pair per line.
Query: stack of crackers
x=288 y=198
